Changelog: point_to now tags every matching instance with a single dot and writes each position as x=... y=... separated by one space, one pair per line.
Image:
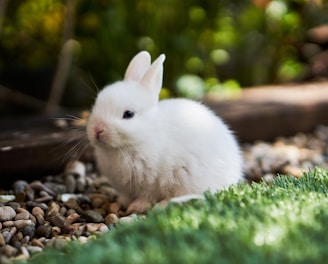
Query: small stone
x=103 y=228
x=58 y=188
x=7 y=198
x=7 y=213
x=23 y=223
x=127 y=219
x=37 y=211
x=97 y=200
x=29 y=231
x=37 y=243
x=57 y=220
x=43 y=206
x=72 y=218
x=8 y=233
x=22 y=216
x=53 y=209
x=91 y=227
x=57 y=243
x=25 y=252
x=44 y=231
x=19 y=186
x=83 y=239
x=34 y=249
x=2 y=240
x=66 y=196
x=14 y=205
x=92 y=216
x=111 y=219
x=26 y=240
x=8 y=223
x=44 y=199
x=56 y=230
x=8 y=251
x=73 y=204
x=39 y=186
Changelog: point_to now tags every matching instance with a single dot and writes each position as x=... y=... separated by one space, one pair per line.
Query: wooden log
x=264 y=113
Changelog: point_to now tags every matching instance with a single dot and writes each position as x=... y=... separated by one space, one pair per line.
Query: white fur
x=169 y=148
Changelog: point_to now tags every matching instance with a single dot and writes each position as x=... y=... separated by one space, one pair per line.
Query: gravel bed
x=79 y=205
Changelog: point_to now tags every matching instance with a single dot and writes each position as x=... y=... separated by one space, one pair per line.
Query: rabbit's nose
x=99 y=134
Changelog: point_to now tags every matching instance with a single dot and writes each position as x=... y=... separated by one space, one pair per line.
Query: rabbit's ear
x=139 y=64
x=153 y=77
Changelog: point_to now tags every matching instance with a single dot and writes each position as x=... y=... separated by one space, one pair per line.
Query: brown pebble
x=44 y=199
x=26 y=239
x=73 y=204
x=53 y=209
x=57 y=220
x=22 y=216
x=39 y=219
x=8 y=223
x=56 y=230
x=97 y=200
x=14 y=205
x=2 y=240
x=100 y=211
x=92 y=216
x=43 y=206
x=57 y=243
x=72 y=218
x=91 y=227
x=37 y=243
x=44 y=231
x=7 y=213
x=111 y=219
x=39 y=186
x=70 y=211
x=8 y=251
x=37 y=210
x=18 y=237
x=23 y=223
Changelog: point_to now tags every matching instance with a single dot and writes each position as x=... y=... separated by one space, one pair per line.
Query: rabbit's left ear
x=153 y=78
x=137 y=67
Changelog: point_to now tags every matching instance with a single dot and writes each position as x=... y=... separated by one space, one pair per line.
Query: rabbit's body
x=166 y=149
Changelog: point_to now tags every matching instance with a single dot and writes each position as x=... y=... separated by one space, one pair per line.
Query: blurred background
x=55 y=54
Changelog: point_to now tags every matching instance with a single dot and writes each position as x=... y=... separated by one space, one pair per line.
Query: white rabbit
x=152 y=151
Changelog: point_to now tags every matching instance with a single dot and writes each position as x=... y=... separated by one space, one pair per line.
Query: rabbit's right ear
x=139 y=64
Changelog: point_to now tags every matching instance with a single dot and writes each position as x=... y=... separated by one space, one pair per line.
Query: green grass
x=285 y=222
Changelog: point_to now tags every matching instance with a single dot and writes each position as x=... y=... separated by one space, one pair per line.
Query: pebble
x=7 y=213
x=92 y=216
x=8 y=251
x=7 y=198
x=111 y=219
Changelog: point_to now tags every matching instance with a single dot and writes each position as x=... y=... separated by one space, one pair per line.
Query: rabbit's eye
x=128 y=114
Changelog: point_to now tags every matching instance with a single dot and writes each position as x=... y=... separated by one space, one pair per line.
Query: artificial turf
x=285 y=221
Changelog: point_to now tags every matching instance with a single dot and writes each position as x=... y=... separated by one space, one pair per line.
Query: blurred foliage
x=212 y=46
